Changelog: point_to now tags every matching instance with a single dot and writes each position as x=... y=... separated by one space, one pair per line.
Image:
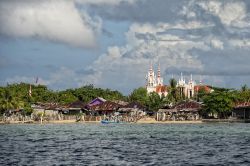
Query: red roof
x=161 y=88
x=242 y=104
x=199 y=87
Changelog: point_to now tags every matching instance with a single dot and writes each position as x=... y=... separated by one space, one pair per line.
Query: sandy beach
x=149 y=120
x=96 y=122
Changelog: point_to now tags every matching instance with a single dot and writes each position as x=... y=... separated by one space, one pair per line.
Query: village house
x=241 y=110
x=105 y=108
x=185 y=110
x=76 y=107
x=132 y=112
x=96 y=101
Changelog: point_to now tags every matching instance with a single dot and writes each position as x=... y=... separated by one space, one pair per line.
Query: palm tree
x=156 y=101
x=174 y=91
x=8 y=101
x=244 y=88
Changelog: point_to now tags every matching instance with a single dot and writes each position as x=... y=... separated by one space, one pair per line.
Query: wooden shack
x=241 y=110
x=184 y=110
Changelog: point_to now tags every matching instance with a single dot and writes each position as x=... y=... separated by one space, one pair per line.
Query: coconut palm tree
x=174 y=93
x=244 y=88
x=8 y=101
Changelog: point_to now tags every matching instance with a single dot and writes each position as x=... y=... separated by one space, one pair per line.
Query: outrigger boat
x=108 y=121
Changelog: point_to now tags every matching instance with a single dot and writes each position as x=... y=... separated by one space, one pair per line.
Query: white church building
x=187 y=88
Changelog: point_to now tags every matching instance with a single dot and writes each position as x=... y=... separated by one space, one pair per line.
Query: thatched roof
x=106 y=106
x=188 y=105
x=77 y=104
x=135 y=105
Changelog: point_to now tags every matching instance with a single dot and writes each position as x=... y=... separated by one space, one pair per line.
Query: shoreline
x=141 y=121
x=96 y=122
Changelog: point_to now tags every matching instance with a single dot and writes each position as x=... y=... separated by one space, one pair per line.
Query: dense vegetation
x=16 y=96
x=219 y=102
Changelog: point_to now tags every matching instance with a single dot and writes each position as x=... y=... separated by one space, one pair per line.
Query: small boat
x=108 y=121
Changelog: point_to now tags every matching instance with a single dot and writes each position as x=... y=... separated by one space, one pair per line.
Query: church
x=155 y=83
x=189 y=89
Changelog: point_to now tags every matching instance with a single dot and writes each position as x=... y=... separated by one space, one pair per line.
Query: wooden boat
x=108 y=122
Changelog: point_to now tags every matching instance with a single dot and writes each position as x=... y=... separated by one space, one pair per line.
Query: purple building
x=96 y=101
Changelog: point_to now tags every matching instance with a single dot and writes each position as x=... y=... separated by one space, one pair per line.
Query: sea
x=125 y=144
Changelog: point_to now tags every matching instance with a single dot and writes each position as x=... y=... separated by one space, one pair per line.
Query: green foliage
x=139 y=95
x=156 y=102
x=218 y=103
x=27 y=109
x=9 y=101
x=67 y=96
x=201 y=94
x=175 y=94
x=244 y=88
x=40 y=93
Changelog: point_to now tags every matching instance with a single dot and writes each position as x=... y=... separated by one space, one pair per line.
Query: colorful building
x=155 y=82
x=188 y=89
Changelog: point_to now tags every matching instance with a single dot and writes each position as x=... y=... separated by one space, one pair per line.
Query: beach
x=147 y=120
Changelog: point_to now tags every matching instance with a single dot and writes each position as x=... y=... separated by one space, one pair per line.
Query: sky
x=111 y=43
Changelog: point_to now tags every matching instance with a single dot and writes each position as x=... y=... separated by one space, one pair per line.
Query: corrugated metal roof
x=106 y=106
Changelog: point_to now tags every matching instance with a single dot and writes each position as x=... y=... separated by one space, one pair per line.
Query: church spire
x=159 y=71
x=151 y=69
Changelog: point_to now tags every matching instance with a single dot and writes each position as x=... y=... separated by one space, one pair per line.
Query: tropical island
x=26 y=103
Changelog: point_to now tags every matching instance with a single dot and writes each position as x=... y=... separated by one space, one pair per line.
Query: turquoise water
x=125 y=144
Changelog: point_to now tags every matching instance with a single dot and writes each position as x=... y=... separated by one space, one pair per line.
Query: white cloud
x=228 y=12
x=57 y=21
x=237 y=43
x=107 y=2
x=62 y=78
x=215 y=43
x=126 y=66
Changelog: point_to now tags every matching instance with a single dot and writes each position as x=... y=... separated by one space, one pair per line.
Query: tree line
x=220 y=101
x=16 y=96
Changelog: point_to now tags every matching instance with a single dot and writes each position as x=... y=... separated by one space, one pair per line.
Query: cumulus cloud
x=207 y=38
x=106 y=2
x=121 y=65
x=57 y=21
x=61 y=78
x=228 y=12
x=205 y=47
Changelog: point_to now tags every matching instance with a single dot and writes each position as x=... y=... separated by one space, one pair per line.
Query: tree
x=156 y=102
x=139 y=95
x=201 y=94
x=218 y=103
x=27 y=109
x=66 y=97
x=174 y=94
x=244 y=88
x=8 y=101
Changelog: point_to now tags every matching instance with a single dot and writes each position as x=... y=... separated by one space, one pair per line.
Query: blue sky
x=110 y=43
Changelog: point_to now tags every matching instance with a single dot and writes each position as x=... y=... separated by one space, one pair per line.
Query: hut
x=96 y=101
x=241 y=110
x=132 y=111
x=185 y=110
x=105 y=108
x=74 y=108
x=166 y=114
